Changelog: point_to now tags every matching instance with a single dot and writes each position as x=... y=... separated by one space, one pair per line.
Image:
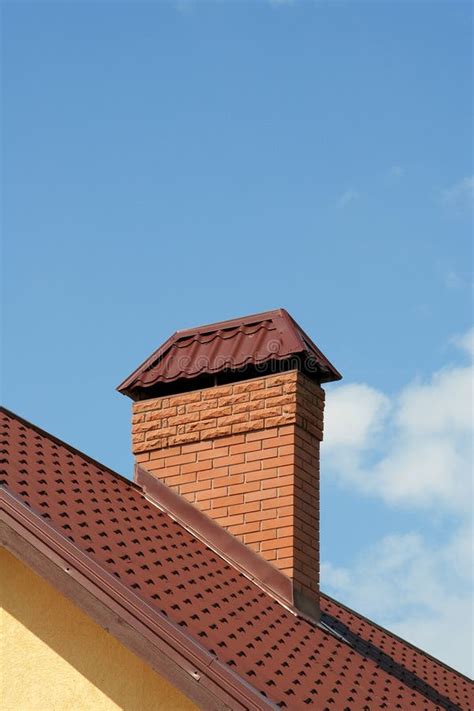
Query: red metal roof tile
x=230 y=346
x=345 y=663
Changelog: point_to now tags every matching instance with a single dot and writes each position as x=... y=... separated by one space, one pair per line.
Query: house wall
x=55 y=658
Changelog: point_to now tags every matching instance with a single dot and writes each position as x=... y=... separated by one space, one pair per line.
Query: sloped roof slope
x=344 y=663
x=230 y=346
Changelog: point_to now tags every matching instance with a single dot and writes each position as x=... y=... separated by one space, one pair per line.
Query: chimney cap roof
x=230 y=346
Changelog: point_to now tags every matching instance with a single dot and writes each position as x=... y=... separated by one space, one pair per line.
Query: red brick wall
x=248 y=455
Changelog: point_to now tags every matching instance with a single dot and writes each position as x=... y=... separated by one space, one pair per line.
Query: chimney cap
x=230 y=347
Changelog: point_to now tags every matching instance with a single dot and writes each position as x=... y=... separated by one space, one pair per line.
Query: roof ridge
x=70 y=447
x=388 y=632
x=241 y=319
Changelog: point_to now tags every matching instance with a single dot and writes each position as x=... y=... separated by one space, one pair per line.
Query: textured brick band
x=248 y=455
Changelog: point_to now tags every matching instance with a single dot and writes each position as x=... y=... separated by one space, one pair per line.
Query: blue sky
x=167 y=164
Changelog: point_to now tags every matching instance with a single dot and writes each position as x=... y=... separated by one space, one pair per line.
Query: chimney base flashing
x=263 y=573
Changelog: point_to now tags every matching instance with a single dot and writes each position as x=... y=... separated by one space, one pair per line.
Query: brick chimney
x=230 y=416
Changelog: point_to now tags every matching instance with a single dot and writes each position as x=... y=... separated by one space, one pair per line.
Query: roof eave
x=126 y=387
x=161 y=643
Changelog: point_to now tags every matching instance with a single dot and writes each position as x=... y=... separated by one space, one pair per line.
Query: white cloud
x=347 y=197
x=412 y=450
x=460 y=196
x=354 y=414
x=466 y=342
x=419 y=592
x=442 y=406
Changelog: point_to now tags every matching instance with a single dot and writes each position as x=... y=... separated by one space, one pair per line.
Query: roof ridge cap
x=385 y=630
x=66 y=445
x=216 y=325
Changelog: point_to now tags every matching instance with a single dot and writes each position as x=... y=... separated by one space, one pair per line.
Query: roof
x=230 y=346
x=344 y=662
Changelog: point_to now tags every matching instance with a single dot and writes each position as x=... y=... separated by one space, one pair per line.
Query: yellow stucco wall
x=55 y=658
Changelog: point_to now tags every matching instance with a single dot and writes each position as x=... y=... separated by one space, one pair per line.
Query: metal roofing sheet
x=350 y=665
x=230 y=346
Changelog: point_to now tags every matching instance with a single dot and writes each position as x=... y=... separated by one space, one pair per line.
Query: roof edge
x=336 y=375
x=124 y=385
x=260 y=571
x=389 y=633
x=205 y=679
